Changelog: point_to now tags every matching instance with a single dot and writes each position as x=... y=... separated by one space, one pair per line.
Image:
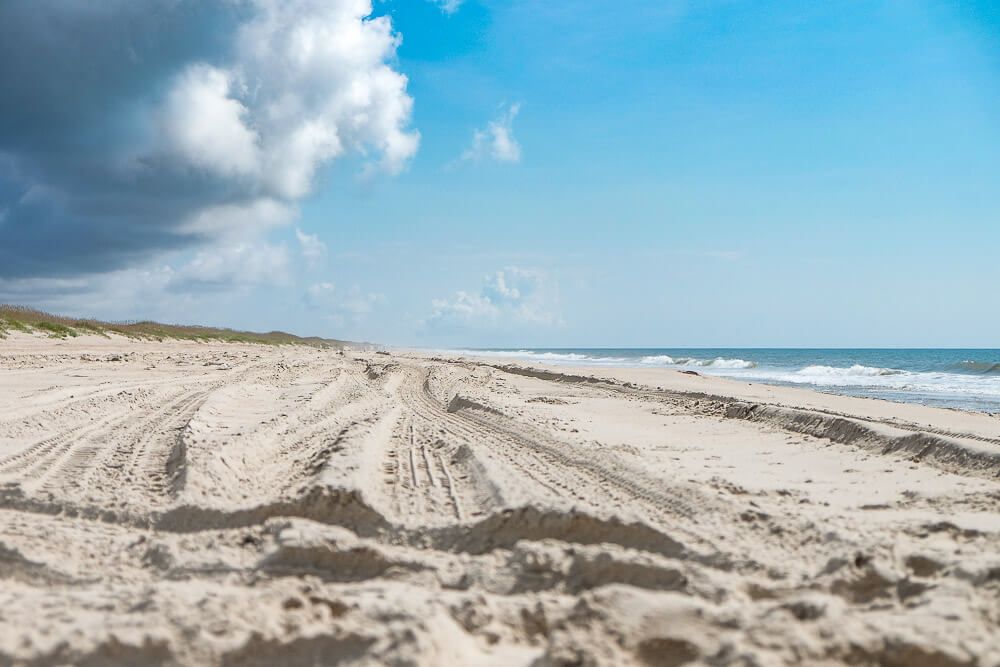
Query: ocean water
x=964 y=379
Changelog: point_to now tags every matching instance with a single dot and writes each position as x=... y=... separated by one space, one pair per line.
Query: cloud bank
x=129 y=129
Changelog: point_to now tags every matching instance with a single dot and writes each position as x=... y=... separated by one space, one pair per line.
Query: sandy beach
x=183 y=503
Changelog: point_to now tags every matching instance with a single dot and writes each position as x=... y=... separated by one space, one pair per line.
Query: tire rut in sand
x=429 y=473
x=601 y=483
x=136 y=451
x=421 y=483
x=34 y=459
x=157 y=462
x=304 y=448
x=292 y=444
x=546 y=461
x=136 y=447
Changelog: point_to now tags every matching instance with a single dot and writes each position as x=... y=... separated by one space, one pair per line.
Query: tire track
x=24 y=464
x=123 y=453
x=422 y=486
x=305 y=447
x=85 y=399
x=138 y=448
x=427 y=481
x=602 y=483
x=155 y=461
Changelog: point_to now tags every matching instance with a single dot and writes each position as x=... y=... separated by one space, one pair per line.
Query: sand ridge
x=181 y=503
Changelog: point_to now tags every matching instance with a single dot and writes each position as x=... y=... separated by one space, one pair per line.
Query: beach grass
x=26 y=320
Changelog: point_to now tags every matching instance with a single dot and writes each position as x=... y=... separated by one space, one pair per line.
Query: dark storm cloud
x=70 y=67
x=78 y=77
x=128 y=128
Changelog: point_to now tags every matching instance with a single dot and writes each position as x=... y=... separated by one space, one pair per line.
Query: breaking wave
x=981 y=367
x=662 y=359
x=598 y=360
x=552 y=357
x=729 y=363
x=857 y=370
x=718 y=362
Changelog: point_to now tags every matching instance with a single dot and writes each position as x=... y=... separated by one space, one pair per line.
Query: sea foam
x=857 y=370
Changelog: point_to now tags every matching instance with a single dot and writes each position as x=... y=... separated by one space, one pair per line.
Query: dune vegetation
x=25 y=319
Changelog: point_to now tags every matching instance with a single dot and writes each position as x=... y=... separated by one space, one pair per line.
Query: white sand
x=218 y=504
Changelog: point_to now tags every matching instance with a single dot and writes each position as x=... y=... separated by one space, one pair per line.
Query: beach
x=966 y=379
x=207 y=503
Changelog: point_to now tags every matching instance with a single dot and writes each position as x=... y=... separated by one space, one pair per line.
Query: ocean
x=964 y=379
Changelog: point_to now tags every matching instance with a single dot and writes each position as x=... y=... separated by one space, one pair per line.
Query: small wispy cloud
x=350 y=306
x=511 y=296
x=313 y=250
x=448 y=6
x=496 y=141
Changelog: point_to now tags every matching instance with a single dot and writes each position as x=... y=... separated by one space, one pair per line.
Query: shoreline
x=214 y=503
x=952 y=437
x=866 y=373
x=793 y=396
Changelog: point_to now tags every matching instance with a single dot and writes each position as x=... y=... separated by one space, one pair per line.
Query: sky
x=448 y=173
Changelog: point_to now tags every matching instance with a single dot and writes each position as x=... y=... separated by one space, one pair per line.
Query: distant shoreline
x=965 y=379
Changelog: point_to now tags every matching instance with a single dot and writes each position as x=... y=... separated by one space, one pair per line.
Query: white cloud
x=123 y=294
x=243 y=219
x=205 y=126
x=448 y=6
x=309 y=81
x=186 y=289
x=497 y=140
x=464 y=307
x=313 y=250
x=318 y=85
x=512 y=296
x=236 y=266
x=219 y=268
x=318 y=292
x=341 y=307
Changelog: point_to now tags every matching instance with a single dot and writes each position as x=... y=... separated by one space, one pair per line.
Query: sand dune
x=228 y=504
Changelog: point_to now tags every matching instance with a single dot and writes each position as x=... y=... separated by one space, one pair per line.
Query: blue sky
x=552 y=174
